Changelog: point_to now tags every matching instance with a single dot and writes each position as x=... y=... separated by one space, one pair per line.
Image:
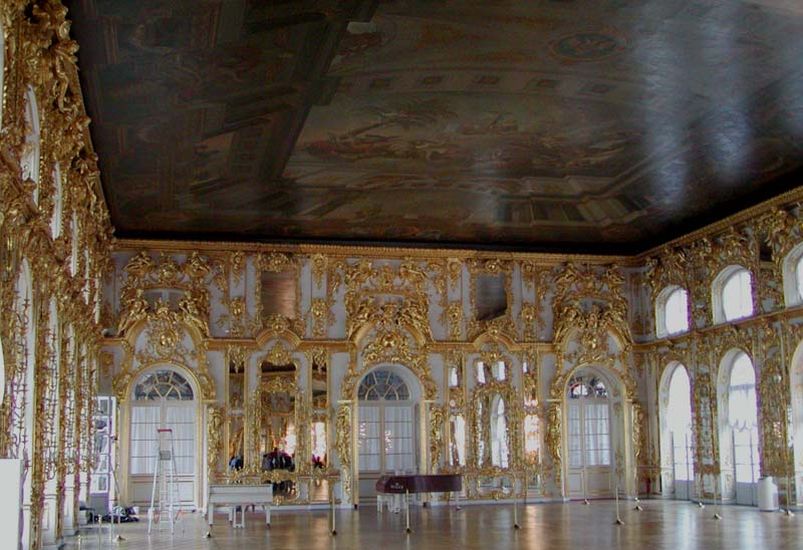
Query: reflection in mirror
x=494 y=486
x=499 y=446
x=532 y=438
x=236 y=441
x=491 y=426
x=481 y=433
x=491 y=298
x=276 y=424
x=236 y=418
x=499 y=370
x=454 y=377
x=482 y=373
x=318 y=432
x=457 y=444
x=279 y=293
x=277 y=433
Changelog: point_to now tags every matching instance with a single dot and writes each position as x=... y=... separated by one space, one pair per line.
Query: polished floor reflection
x=548 y=526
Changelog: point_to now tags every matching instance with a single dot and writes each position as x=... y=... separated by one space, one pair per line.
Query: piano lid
x=438 y=483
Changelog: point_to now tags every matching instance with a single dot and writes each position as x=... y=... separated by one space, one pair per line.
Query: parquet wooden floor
x=662 y=525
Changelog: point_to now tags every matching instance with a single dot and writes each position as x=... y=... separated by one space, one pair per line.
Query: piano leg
x=457 y=500
x=210 y=513
x=267 y=514
x=407 y=509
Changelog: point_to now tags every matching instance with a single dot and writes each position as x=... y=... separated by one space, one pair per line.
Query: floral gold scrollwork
x=320 y=316
x=528 y=314
x=214 y=438
x=453 y=317
x=343 y=445
x=320 y=264
x=278 y=354
x=437 y=423
x=553 y=440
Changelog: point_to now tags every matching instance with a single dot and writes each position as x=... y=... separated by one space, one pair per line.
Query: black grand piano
x=408 y=484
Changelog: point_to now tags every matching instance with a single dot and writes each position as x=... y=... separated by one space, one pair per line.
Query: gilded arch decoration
x=160 y=337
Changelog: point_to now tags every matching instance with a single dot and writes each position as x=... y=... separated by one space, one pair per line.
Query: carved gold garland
x=66 y=251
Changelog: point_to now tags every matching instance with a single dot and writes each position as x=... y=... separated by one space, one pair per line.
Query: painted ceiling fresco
x=585 y=125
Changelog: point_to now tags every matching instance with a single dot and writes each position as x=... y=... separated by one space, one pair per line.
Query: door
x=163 y=399
x=745 y=466
x=589 y=439
x=386 y=429
x=682 y=465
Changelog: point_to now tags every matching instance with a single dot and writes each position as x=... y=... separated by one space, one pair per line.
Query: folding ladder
x=165 y=487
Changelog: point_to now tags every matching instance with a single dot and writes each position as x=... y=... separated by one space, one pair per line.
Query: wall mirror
x=491 y=426
x=275 y=424
x=491 y=298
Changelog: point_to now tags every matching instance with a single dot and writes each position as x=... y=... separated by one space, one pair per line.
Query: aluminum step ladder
x=164 y=493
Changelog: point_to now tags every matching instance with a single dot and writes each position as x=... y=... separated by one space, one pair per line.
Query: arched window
x=741 y=428
x=383 y=385
x=386 y=424
x=55 y=220
x=679 y=439
x=30 y=156
x=793 y=277
x=672 y=311
x=799 y=277
x=732 y=294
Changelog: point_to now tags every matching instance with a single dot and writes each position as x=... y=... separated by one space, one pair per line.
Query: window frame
x=661 y=329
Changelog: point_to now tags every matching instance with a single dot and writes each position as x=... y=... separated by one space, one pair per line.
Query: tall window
x=386 y=426
x=792 y=270
x=162 y=399
x=743 y=419
x=737 y=295
x=676 y=312
x=679 y=423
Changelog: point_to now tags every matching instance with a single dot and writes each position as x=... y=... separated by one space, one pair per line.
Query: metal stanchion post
x=716 y=487
x=332 y=491
x=788 y=510
x=407 y=509
x=618 y=517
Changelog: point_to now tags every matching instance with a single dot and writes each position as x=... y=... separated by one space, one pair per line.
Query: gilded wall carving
x=55 y=244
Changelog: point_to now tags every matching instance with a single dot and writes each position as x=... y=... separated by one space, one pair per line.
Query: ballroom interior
x=401 y=272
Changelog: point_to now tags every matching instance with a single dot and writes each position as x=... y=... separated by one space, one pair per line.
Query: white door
x=682 y=465
x=589 y=439
x=745 y=465
x=163 y=399
x=385 y=430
